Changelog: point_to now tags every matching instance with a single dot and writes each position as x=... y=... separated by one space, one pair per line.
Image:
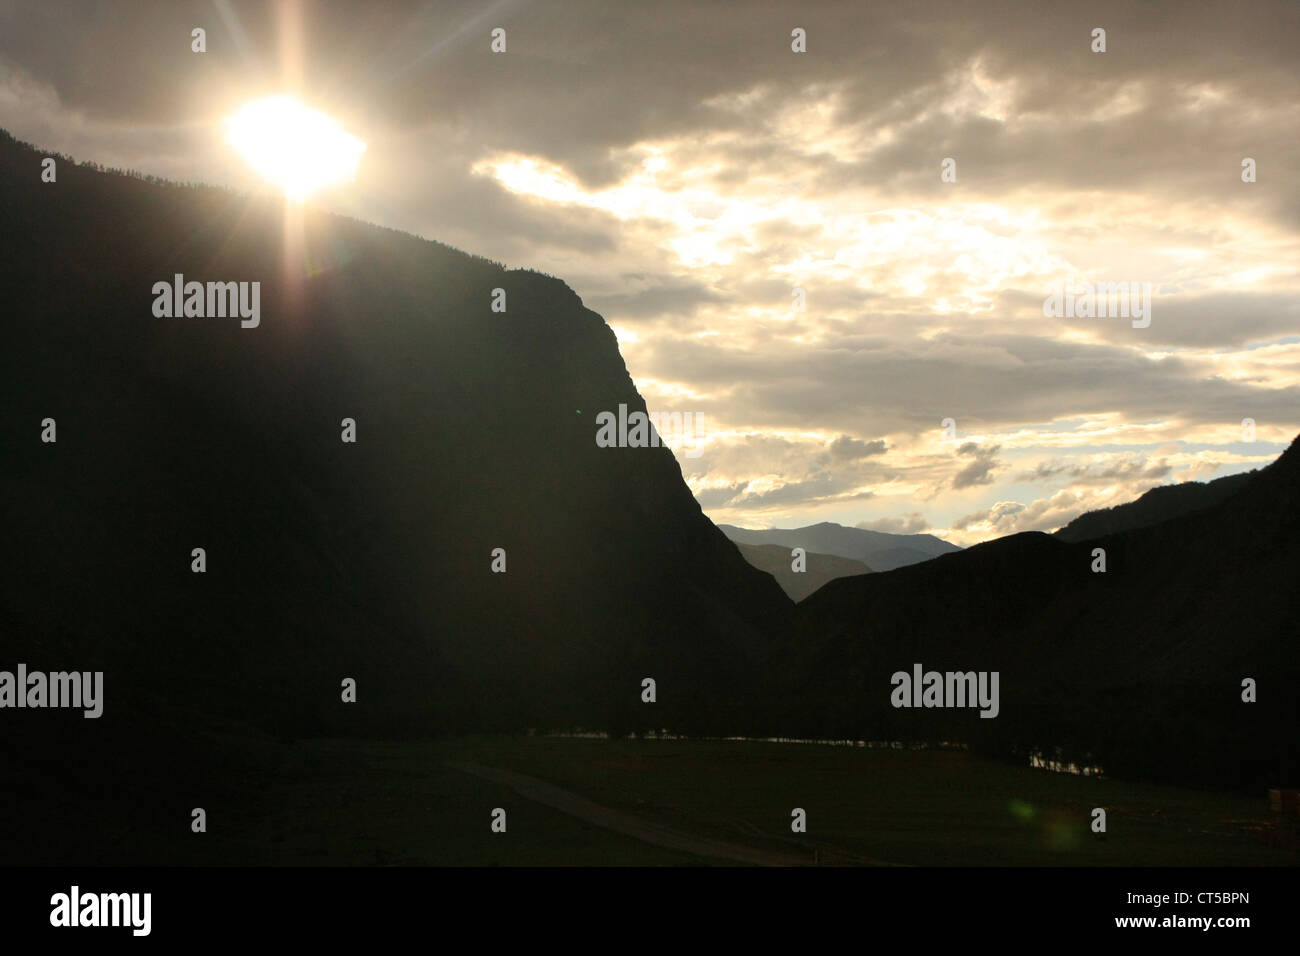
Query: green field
x=680 y=803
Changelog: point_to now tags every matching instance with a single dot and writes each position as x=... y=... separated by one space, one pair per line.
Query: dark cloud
x=653 y=295
x=811 y=489
x=584 y=78
x=720 y=497
x=985 y=382
x=1088 y=473
x=980 y=471
x=1136 y=151
x=845 y=448
x=429 y=197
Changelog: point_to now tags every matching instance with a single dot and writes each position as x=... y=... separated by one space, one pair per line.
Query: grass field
x=658 y=802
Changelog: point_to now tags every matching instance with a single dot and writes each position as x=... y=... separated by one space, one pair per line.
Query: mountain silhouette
x=775 y=559
x=1157 y=505
x=879 y=550
x=328 y=560
x=1138 y=669
x=372 y=560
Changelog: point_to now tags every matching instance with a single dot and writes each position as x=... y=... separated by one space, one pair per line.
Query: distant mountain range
x=879 y=550
x=775 y=559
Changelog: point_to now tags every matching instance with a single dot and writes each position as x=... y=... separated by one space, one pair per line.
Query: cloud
x=1014 y=517
x=721 y=496
x=980 y=471
x=845 y=448
x=688 y=172
x=1041 y=514
x=912 y=523
x=653 y=295
x=1098 y=473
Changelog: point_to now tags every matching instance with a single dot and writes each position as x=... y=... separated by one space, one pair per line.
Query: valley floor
x=663 y=802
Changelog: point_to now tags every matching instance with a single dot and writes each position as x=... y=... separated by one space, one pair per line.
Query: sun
x=295 y=147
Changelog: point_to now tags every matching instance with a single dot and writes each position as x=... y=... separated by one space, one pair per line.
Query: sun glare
x=297 y=148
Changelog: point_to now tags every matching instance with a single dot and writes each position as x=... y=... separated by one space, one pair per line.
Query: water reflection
x=1039 y=762
x=828 y=742
x=1036 y=759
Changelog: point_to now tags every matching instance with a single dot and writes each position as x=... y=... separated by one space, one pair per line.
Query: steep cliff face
x=325 y=559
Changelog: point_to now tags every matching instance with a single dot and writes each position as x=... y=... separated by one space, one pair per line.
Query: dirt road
x=547 y=794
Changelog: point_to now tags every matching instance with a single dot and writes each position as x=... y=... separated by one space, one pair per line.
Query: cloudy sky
x=685 y=171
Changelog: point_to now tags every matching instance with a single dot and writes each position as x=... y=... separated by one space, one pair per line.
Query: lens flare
x=295 y=147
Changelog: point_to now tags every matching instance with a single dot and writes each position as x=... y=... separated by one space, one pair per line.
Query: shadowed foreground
x=647 y=802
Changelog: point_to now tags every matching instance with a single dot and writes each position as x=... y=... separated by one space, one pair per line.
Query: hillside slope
x=326 y=560
x=1138 y=669
x=1157 y=505
x=775 y=560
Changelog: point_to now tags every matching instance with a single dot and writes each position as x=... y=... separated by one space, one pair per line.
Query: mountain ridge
x=1138 y=668
x=776 y=560
x=328 y=560
x=1153 y=507
x=373 y=560
x=879 y=550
